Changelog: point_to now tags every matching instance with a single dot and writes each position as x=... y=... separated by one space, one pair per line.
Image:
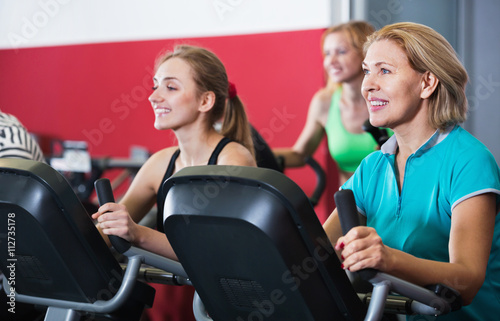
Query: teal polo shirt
x=449 y=168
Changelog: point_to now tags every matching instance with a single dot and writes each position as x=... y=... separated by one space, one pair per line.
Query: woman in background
x=338 y=109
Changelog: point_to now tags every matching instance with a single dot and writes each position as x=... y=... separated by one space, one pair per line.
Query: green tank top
x=347 y=149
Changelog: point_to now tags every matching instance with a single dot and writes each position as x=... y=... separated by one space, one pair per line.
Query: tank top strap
x=215 y=154
x=160 y=198
x=170 y=171
x=171 y=164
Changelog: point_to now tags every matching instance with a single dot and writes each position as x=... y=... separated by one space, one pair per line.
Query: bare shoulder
x=319 y=107
x=320 y=103
x=154 y=168
x=236 y=154
x=144 y=187
x=324 y=95
x=161 y=157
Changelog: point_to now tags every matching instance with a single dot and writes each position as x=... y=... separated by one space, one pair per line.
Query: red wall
x=98 y=92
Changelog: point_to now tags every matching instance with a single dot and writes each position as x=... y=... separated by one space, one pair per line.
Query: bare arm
x=141 y=195
x=471 y=235
x=114 y=219
x=312 y=133
x=332 y=228
x=236 y=154
x=121 y=219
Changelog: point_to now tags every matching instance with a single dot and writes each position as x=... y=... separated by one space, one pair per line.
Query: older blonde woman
x=431 y=195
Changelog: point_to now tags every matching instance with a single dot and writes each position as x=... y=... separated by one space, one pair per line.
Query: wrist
x=138 y=236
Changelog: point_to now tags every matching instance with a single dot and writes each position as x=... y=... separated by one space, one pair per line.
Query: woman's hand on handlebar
x=362 y=248
x=114 y=219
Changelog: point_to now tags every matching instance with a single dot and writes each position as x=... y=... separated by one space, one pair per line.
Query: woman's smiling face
x=174 y=99
x=391 y=87
x=340 y=59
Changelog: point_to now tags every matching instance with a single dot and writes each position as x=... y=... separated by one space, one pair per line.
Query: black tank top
x=160 y=199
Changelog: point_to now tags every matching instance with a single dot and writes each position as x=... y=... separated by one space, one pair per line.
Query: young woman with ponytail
x=191 y=93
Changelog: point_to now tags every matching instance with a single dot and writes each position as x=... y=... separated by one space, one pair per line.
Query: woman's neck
x=412 y=137
x=197 y=146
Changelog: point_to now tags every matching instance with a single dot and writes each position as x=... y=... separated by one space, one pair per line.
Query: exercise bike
x=247 y=239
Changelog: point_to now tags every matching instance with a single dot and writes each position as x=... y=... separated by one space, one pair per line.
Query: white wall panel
x=33 y=23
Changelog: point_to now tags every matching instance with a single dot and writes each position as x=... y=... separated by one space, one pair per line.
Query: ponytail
x=235 y=125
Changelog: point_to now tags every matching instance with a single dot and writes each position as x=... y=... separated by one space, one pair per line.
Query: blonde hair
x=210 y=74
x=427 y=50
x=357 y=31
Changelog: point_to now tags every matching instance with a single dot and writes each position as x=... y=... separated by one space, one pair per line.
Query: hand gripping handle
x=348 y=216
x=105 y=195
x=346 y=209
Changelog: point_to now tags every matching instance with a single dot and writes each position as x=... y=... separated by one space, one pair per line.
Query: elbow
x=469 y=292
x=468 y=296
x=293 y=159
x=467 y=299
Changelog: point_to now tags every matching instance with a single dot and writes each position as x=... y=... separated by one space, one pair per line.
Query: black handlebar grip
x=348 y=216
x=105 y=195
x=380 y=135
x=104 y=191
x=320 y=180
x=346 y=209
